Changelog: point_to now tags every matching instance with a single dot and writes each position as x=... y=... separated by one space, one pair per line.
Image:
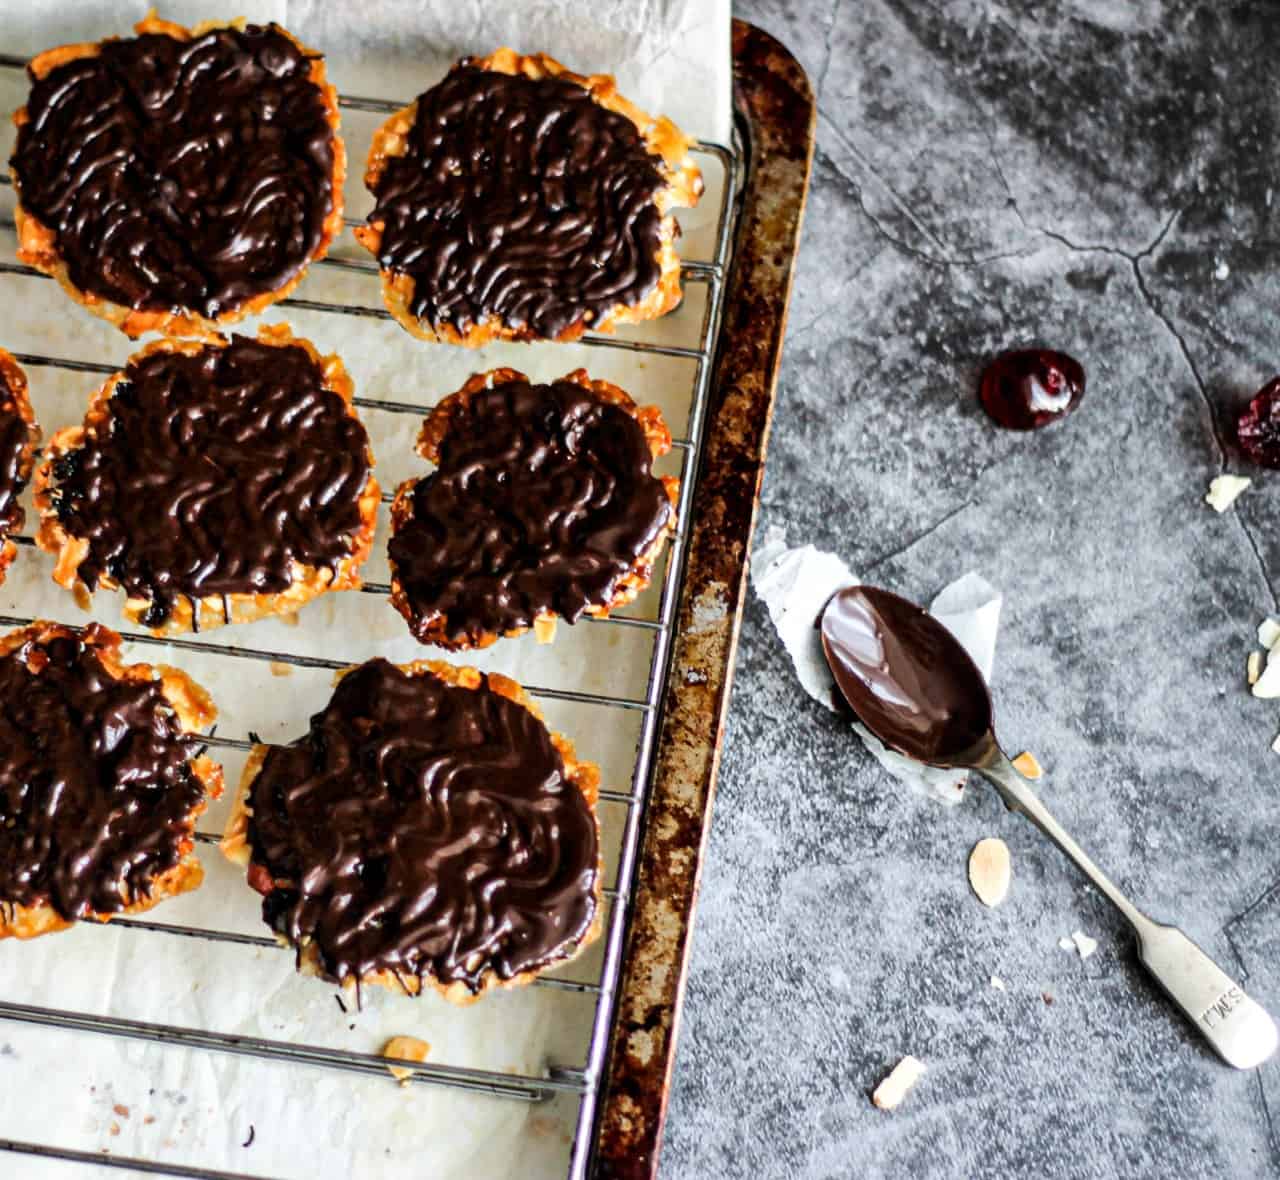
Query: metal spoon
x=914 y=686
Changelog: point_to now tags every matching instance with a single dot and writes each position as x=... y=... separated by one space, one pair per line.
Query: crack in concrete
x=1214 y=425
x=903 y=207
x=1055 y=235
x=858 y=193
x=1272 y=1138
x=917 y=539
x=826 y=46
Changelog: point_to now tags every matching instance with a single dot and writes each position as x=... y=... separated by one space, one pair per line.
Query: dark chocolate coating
x=520 y=200
x=96 y=790
x=15 y=434
x=212 y=473
x=905 y=675
x=426 y=830
x=543 y=498
x=180 y=174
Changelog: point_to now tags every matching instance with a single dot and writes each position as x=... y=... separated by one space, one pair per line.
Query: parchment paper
x=796 y=582
x=93 y=1093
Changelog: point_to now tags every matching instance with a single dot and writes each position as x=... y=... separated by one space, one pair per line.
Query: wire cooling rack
x=584 y=1081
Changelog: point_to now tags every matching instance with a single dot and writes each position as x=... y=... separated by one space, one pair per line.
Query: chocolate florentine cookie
x=18 y=437
x=518 y=200
x=543 y=504
x=101 y=780
x=180 y=179
x=429 y=831
x=215 y=483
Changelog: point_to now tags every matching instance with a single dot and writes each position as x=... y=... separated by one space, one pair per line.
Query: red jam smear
x=1028 y=388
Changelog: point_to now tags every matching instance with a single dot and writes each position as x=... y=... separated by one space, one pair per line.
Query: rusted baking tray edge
x=776 y=112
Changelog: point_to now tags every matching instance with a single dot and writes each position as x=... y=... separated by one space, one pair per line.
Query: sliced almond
x=1027 y=766
x=404 y=1049
x=890 y=1092
x=1253 y=669
x=990 y=870
x=1224 y=490
x=544 y=628
x=1268 y=632
x=997 y=983
x=1267 y=686
x=1275 y=745
x=1066 y=944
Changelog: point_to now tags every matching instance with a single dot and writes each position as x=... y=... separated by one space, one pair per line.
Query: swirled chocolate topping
x=96 y=790
x=543 y=498
x=521 y=200
x=180 y=174
x=426 y=830
x=214 y=472
x=15 y=434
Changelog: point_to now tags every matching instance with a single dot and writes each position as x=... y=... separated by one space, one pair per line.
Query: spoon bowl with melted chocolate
x=913 y=685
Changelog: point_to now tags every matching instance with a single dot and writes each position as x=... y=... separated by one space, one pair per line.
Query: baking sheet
x=93 y=1093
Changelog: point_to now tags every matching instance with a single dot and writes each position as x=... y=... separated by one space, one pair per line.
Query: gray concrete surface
x=1095 y=176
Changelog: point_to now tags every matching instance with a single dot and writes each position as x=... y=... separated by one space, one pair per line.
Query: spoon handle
x=1238 y=1028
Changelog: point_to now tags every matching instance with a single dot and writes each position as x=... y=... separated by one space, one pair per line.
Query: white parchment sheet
x=93 y=1093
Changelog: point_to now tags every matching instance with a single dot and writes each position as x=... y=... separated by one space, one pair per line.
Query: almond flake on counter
x=1268 y=632
x=1224 y=490
x=1027 y=766
x=990 y=870
x=997 y=983
x=1253 y=669
x=1066 y=944
x=405 y=1049
x=1267 y=686
x=1084 y=944
x=890 y=1092
x=1275 y=745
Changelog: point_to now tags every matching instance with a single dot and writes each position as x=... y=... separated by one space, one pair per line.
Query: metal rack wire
x=583 y=1081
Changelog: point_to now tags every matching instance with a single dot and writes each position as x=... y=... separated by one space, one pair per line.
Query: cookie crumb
x=889 y=1093
x=1027 y=766
x=405 y=1049
x=1084 y=944
x=279 y=669
x=121 y=1110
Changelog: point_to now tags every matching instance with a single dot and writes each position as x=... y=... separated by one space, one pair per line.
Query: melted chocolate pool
x=905 y=675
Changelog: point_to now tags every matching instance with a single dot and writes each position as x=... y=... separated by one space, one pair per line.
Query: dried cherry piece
x=1028 y=388
x=1258 y=427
